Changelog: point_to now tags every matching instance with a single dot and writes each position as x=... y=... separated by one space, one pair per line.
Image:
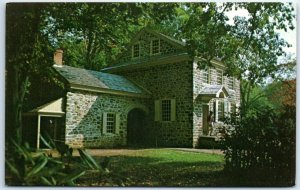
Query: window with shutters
x=136 y=50
x=155 y=46
x=165 y=110
x=111 y=123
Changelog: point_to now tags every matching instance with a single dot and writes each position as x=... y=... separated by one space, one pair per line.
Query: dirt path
x=133 y=152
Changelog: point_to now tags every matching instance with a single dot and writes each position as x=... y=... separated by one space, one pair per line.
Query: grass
x=160 y=167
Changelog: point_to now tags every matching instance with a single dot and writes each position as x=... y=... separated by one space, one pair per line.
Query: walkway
x=132 y=152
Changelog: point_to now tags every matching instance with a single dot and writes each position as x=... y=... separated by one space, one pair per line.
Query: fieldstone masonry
x=181 y=81
x=84 y=118
x=164 y=82
x=198 y=84
x=144 y=41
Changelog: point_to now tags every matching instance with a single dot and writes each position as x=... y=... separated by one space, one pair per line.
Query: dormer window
x=155 y=46
x=136 y=50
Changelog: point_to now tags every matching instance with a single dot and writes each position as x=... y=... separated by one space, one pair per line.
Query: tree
x=26 y=52
x=99 y=31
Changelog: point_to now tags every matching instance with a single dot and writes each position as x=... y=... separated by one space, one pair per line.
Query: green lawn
x=160 y=167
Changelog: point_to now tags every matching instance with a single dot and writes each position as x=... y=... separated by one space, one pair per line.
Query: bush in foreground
x=262 y=148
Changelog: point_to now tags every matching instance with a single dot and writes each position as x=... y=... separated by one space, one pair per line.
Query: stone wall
x=84 y=118
x=172 y=81
x=166 y=48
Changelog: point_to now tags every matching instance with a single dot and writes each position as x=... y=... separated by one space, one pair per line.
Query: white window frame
x=221 y=106
x=206 y=72
x=132 y=51
x=151 y=47
x=116 y=126
x=159 y=110
x=225 y=106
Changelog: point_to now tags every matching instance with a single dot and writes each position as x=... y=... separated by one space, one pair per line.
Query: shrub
x=24 y=167
x=262 y=146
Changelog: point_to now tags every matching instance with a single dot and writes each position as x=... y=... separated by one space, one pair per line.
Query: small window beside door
x=111 y=123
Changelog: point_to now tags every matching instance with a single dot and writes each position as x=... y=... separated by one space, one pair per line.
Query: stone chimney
x=58 y=57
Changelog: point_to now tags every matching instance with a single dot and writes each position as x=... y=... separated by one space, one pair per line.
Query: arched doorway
x=136 y=127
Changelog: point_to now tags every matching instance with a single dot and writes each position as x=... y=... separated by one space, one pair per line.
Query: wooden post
x=38 y=132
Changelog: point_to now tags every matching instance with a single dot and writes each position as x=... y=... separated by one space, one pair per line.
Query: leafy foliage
x=263 y=146
x=249 y=46
x=40 y=169
x=46 y=170
x=92 y=34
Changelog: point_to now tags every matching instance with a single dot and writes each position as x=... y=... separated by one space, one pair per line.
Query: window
x=165 y=110
x=205 y=76
x=136 y=50
x=231 y=83
x=219 y=77
x=155 y=46
x=220 y=110
x=111 y=123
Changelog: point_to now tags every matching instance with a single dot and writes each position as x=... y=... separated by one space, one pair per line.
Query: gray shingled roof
x=212 y=90
x=97 y=79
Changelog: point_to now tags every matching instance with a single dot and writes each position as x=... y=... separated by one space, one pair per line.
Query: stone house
x=155 y=95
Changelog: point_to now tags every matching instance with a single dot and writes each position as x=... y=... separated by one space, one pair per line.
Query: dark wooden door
x=136 y=128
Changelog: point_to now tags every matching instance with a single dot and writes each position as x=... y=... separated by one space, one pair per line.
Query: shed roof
x=214 y=90
x=51 y=108
x=97 y=80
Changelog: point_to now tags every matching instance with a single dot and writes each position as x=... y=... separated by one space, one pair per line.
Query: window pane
x=219 y=77
x=136 y=50
x=155 y=46
x=220 y=110
x=166 y=110
x=111 y=120
x=205 y=76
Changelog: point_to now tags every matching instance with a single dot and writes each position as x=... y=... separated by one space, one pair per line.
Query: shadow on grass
x=171 y=169
x=145 y=171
